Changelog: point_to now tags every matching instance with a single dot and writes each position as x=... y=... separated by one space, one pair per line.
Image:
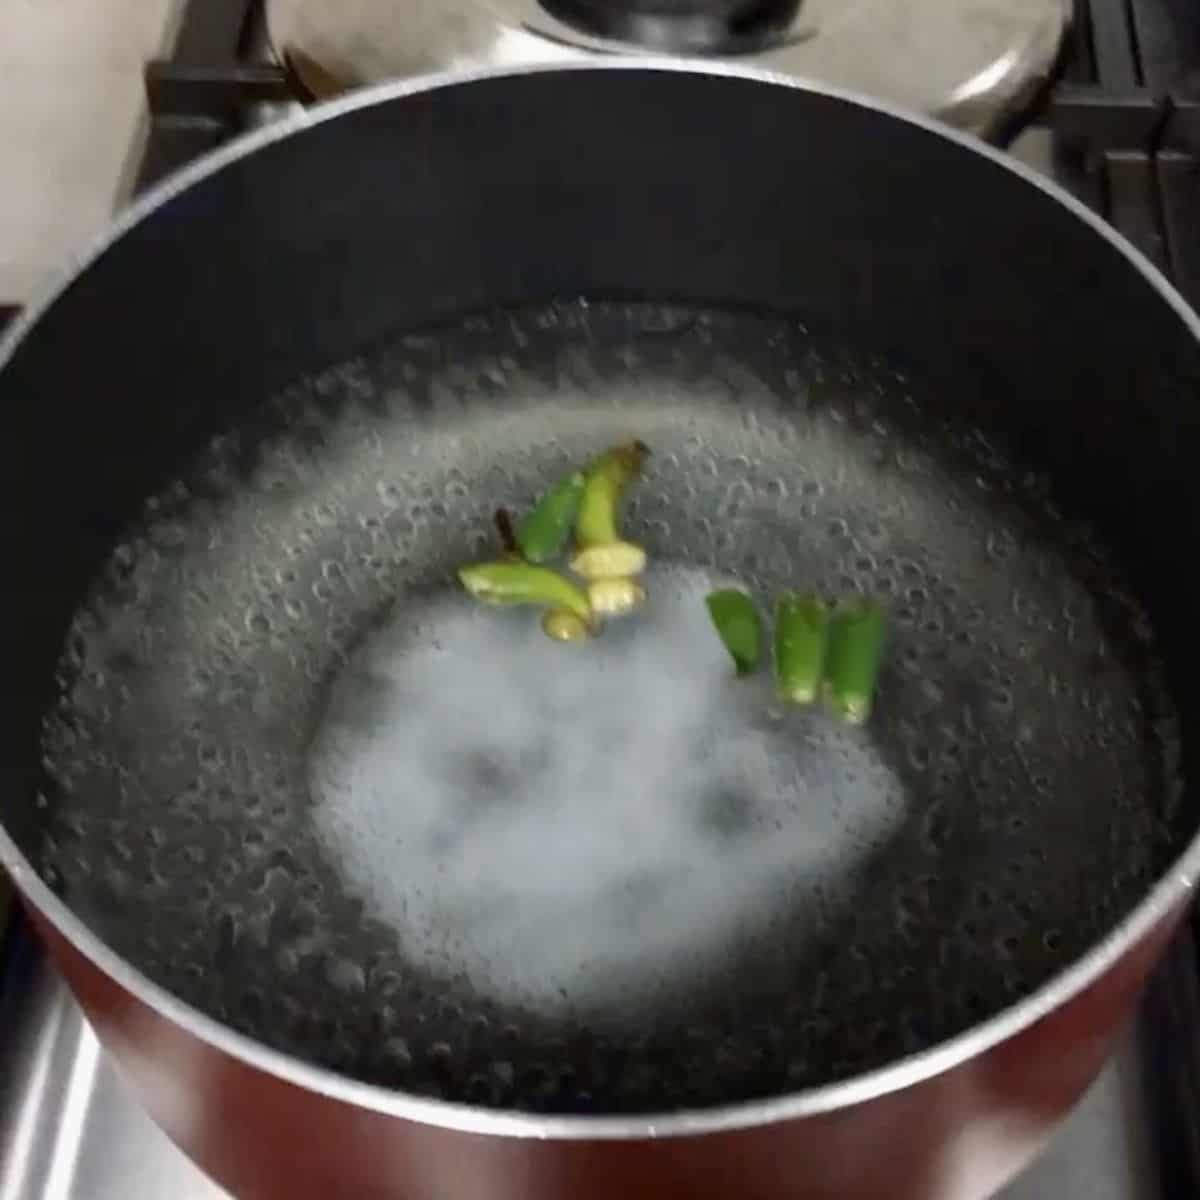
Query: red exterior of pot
x=958 y=1135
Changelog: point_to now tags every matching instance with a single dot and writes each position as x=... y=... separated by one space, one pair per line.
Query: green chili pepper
x=607 y=478
x=544 y=532
x=603 y=554
x=523 y=583
x=564 y=626
x=739 y=626
x=856 y=637
x=801 y=633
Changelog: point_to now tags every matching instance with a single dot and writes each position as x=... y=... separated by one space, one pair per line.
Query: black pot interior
x=293 y=776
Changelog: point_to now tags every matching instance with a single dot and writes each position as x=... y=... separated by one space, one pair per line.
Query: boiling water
x=301 y=780
x=588 y=829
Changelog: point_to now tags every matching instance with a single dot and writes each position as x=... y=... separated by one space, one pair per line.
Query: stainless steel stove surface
x=961 y=60
x=1121 y=128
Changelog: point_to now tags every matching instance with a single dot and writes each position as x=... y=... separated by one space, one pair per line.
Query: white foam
x=584 y=826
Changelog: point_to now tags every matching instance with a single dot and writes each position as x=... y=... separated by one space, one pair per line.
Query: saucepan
x=376 y=891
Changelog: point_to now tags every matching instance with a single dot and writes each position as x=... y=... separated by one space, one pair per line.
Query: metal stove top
x=1119 y=126
x=962 y=60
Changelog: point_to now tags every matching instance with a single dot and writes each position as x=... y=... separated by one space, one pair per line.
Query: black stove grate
x=1126 y=115
x=220 y=67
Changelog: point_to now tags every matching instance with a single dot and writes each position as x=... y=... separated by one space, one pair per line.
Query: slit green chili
x=543 y=533
x=856 y=637
x=801 y=635
x=562 y=625
x=524 y=583
x=603 y=553
x=739 y=627
x=606 y=480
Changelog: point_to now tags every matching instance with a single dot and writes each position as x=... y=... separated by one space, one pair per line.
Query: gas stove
x=1113 y=115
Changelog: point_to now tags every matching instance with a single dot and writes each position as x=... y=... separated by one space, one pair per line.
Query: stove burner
x=683 y=26
x=970 y=62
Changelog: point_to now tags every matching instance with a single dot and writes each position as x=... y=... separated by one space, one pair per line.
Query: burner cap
x=970 y=62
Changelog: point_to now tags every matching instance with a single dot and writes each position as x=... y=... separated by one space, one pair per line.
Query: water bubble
x=257 y=622
x=390 y=493
x=345 y=976
x=397 y=1054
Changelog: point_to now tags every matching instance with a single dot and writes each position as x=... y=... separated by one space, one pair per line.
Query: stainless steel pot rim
x=1171 y=890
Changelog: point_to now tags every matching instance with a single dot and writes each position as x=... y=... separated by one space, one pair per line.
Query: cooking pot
x=373 y=892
